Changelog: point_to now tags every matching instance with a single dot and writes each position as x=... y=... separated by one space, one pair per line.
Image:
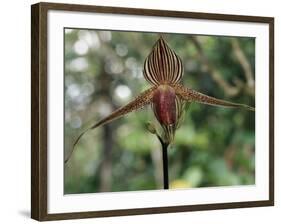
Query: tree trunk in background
x=106 y=164
x=157 y=164
x=107 y=138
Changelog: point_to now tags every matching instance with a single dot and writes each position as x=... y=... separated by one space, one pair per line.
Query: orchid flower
x=163 y=69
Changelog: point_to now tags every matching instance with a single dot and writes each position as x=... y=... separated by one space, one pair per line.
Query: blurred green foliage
x=214 y=146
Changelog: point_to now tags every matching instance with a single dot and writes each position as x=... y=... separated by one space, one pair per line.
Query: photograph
x=140 y=111
x=152 y=111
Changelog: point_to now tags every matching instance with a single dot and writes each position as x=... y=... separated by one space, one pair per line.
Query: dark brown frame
x=39 y=110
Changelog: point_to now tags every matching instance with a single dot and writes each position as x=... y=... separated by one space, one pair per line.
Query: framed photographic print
x=138 y=111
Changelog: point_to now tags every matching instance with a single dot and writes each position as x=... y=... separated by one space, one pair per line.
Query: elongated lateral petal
x=142 y=100
x=194 y=96
x=162 y=65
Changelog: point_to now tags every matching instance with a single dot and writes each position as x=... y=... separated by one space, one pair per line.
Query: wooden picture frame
x=39 y=110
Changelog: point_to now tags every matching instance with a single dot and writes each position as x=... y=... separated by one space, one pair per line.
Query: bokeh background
x=214 y=146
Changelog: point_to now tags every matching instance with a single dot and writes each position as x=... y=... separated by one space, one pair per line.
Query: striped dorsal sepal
x=163 y=65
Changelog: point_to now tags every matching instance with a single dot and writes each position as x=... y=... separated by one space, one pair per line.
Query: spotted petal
x=162 y=65
x=194 y=96
x=142 y=100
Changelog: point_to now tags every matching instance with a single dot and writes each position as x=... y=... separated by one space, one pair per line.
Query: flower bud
x=151 y=127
